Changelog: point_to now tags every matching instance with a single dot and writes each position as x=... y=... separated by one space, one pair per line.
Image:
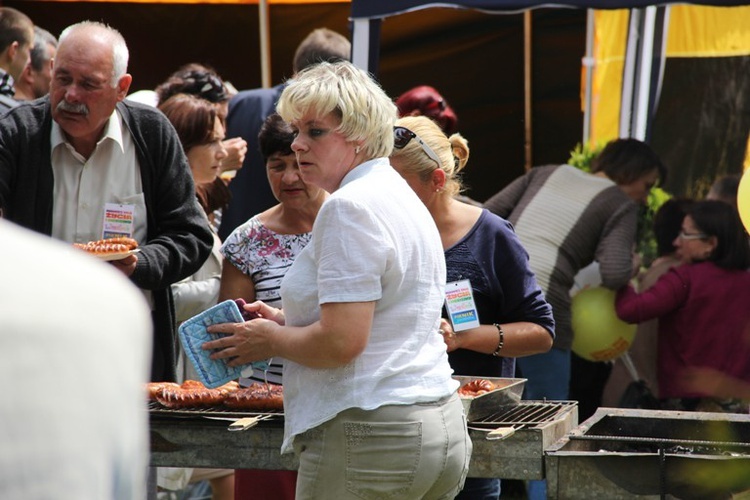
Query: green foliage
x=582 y=156
x=645 y=240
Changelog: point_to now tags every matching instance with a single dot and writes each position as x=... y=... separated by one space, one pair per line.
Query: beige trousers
x=395 y=451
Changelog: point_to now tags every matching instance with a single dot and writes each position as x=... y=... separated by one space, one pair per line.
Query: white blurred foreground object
x=75 y=351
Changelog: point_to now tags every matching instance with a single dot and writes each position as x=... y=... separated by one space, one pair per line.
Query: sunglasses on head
x=402 y=136
x=206 y=86
x=437 y=103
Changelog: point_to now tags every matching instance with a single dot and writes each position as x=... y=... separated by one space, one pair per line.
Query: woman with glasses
x=702 y=306
x=370 y=407
x=514 y=318
x=667 y=225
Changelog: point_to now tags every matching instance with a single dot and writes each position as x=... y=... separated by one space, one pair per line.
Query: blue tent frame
x=383 y=8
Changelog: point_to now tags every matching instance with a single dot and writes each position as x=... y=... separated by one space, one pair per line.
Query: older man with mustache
x=83 y=165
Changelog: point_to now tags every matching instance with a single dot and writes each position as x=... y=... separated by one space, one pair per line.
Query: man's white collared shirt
x=84 y=186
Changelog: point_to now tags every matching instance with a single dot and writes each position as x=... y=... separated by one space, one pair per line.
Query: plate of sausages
x=107 y=249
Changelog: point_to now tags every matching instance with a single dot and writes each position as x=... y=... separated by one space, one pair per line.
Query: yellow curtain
x=694 y=31
x=610 y=30
x=708 y=31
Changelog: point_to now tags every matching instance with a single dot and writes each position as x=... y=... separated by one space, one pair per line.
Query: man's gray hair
x=42 y=38
x=120 y=52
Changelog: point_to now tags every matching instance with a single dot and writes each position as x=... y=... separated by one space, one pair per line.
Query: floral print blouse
x=263 y=255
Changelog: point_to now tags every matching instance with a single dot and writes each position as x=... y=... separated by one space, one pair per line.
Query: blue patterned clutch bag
x=193 y=335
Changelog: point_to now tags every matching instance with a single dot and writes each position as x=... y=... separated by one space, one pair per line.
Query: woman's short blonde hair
x=367 y=114
x=453 y=152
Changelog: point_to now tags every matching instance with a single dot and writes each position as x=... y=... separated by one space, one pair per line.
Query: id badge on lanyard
x=459 y=301
x=119 y=220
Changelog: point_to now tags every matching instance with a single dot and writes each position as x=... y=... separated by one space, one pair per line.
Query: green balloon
x=598 y=334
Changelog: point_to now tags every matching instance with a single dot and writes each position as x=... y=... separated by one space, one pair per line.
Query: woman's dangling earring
x=356 y=150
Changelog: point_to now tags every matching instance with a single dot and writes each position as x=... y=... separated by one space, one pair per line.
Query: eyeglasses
x=402 y=136
x=692 y=236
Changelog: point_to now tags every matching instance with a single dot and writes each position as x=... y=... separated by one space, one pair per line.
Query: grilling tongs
x=246 y=423
x=243 y=423
x=499 y=433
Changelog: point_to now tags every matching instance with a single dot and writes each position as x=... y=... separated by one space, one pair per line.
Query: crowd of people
x=337 y=213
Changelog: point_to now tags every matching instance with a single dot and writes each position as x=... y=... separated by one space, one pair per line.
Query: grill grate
x=157 y=409
x=526 y=413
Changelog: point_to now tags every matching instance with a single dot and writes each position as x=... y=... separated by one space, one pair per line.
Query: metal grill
x=649 y=431
x=195 y=437
x=525 y=414
x=157 y=409
x=629 y=453
x=635 y=444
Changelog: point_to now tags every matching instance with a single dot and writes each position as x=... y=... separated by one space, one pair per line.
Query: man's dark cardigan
x=178 y=240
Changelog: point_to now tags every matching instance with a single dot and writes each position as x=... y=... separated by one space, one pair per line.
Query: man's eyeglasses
x=402 y=136
x=692 y=236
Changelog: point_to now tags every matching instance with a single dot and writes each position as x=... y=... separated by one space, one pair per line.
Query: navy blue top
x=504 y=287
x=251 y=193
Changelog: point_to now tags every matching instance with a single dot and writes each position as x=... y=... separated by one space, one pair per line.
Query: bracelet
x=501 y=339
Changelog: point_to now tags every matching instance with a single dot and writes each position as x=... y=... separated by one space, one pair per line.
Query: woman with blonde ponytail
x=515 y=319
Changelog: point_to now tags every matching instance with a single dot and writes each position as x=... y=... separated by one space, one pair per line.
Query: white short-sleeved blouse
x=373 y=240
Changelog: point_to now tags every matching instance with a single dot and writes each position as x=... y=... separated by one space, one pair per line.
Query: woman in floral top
x=262 y=255
x=259 y=252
